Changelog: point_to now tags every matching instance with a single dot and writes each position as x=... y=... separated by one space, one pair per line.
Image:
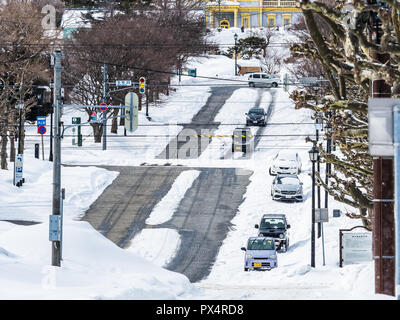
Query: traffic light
x=142 y=85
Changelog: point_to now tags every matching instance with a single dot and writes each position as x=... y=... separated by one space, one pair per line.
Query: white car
x=263 y=79
x=285 y=161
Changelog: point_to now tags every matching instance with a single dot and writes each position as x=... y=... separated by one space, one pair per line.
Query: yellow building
x=250 y=14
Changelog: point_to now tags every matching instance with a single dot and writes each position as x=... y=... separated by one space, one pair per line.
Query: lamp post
x=314 y=154
x=235 y=37
x=319 y=125
x=20 y=106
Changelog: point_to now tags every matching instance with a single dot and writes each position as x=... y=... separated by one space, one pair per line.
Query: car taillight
x=248 y=78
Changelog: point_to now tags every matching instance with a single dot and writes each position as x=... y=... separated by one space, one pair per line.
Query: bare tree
x=141 y=43
x=23 y=61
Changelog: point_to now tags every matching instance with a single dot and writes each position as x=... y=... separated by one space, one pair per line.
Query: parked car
x=287 y=187
x=263 y=80
x=285 y=161
x=275 y=226
x=260 y=254
x=256 y=116
x=241 y=140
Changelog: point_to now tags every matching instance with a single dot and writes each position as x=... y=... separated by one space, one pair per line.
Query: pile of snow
x=93 y=267
x=165 y=209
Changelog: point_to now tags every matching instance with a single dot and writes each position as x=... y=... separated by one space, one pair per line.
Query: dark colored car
x=276 y=227
x=256 y=116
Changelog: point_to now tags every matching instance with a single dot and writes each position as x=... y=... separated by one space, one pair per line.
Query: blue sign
x=192 y=72
x=41 y=121
x=123 y=83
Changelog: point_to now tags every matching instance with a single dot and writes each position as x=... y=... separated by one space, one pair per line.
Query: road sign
x=41 y=129
x=103 y=106
x=123 y=83
x=131 y=111
x=40 y=121
x=192 y=72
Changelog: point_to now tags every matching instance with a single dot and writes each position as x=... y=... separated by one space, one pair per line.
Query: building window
x=224 y=24
x=271 y=20
x=286 y=19
x=246 y=20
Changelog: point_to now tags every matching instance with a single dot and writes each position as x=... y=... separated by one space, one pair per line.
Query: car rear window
x=260 y=244
x=257 y=111
x=268 y=223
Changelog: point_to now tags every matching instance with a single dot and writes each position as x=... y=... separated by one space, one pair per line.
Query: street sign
x=40 y=121
x=123 y=83
x=18 y=169
x=131 y=111
x=192 y=72
x=103 y=106
x=41 y=129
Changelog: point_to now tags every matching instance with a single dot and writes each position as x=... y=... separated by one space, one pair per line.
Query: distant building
x=250 y=14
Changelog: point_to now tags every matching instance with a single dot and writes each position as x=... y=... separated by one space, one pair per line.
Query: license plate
x=254 y=121
x=257 y=264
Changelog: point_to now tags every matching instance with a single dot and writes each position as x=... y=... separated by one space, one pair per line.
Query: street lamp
x=314 y=154
x=20 y=106
x=235 y=37
x=319 y=126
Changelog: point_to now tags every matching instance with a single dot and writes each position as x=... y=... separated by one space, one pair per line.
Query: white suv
x=285 y=161
x=263 y=79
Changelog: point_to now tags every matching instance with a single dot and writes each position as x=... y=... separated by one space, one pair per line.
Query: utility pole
x=383 y=185
x=105 y=79
x=51 y=124
x=56 y=245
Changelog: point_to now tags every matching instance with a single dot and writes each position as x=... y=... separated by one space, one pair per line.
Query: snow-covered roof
x=249 y=63
x=75 y=18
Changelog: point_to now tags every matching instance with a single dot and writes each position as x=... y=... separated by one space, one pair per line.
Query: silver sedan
x=287 y=187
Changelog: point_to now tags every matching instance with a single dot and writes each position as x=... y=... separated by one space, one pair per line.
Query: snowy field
x=95 y=268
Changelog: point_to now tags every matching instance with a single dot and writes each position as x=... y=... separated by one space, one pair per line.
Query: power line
x=196 y=124
x=205 y=137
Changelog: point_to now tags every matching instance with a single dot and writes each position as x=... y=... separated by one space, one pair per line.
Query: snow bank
x=93 y=267
x=165 y=209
